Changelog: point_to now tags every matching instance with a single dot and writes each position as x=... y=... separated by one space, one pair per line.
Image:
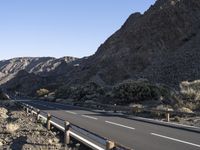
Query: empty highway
x=134 y=134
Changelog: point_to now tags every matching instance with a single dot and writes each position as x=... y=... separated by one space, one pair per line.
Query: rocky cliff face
x=161 y=45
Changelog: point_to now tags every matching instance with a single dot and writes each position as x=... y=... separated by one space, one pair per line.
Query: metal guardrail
x=75 y=131
x=134 y=110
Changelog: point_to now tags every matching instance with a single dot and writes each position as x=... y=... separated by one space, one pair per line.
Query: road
x=135 y=134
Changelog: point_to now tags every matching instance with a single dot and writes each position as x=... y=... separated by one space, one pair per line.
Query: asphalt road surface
x=134 y=134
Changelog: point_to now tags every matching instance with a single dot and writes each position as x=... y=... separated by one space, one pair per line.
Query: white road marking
x=89 y=117
x=71 y=112
x=113 y=123
x=177 y=140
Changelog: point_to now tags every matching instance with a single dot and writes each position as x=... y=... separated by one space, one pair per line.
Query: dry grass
x=191 y=90
x=185 y=110
x=11 y=128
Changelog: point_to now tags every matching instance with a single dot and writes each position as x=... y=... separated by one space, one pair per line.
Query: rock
x=1 y=142
x=50 y=142
x=56 y=140
x=3 y=113
x=37 y=133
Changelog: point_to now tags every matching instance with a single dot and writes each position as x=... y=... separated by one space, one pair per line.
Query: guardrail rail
x=72 y=130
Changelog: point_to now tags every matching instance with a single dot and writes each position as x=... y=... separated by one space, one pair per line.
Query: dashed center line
x=117 y=124
x=89 y=117
x=71 y=112
x=173 y=139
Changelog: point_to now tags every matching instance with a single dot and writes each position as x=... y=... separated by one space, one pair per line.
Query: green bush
x=136 y=91
x=89 y=91
x=65 y=92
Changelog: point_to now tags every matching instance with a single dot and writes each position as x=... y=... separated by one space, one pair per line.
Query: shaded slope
x=160 y=45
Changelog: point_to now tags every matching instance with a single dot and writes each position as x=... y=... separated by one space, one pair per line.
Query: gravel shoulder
x=19 y=132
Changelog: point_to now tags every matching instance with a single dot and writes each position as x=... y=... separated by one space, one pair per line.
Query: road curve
x=131 y=133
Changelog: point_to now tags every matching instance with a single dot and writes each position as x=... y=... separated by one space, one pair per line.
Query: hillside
x=161 y=45
x=37 y=65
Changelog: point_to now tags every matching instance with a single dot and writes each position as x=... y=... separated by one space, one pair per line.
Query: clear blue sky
x=61 y=27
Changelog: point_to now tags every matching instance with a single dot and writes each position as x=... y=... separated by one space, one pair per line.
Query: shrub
x=136 y=91
x=89 y=91
x=42 y=92
x=185 y=110
x=191 y=90
x=65 y=92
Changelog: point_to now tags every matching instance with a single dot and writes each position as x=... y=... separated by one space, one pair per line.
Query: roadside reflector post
x=27 y=110
x=31 y=110
x=110 y=145
x=167 y=116
x=66 y=134
x=38 y=116
x=24 y=108
x=48 y=121
x=115 y=108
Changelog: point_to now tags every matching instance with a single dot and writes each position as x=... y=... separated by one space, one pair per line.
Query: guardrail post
x=48 y=121
x=38 y=115
x=27 y=110
x=66 y=134
x=167 y=117
x=110 y=145
x=115 y=108
x=31 y=110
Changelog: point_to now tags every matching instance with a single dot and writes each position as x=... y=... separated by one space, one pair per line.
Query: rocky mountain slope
x=161 y=45
x=36 y=65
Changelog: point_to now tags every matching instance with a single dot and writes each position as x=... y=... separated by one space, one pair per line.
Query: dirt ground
x=19 y=132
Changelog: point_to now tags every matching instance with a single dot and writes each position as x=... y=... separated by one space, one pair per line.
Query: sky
x=60 y=28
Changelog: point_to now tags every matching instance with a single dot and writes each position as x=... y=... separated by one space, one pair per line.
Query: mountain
x=28 y=73
x=162 y=45
x=37 y=65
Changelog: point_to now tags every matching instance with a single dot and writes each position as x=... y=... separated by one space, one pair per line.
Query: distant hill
x=37 y=65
